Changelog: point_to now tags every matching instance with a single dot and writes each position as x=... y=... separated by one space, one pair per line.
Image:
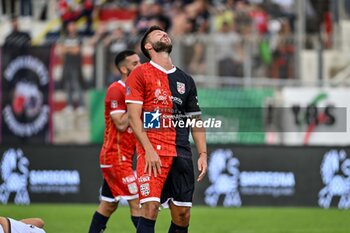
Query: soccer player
x=158 y=91
x=117 y=150
x=28 y=225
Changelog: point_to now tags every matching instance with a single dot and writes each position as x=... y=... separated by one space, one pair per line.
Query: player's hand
x=153 y=163
x=202 y=166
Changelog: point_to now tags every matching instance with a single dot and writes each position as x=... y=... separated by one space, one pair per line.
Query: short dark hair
x=144 y=39
x=121 y=57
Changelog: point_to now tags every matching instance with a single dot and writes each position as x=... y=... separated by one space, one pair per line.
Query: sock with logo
x=177 y=229
x=98 y=223
x=145 y=225
x=135 y=220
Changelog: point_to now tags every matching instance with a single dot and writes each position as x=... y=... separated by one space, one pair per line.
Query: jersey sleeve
x=135 y=87
x=192 y=106
x=115 y=99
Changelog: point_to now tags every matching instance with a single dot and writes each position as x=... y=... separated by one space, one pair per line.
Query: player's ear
x=123 y=70
x=148 y=46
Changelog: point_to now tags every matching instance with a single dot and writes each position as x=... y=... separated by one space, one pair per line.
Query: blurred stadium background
x=276 y=71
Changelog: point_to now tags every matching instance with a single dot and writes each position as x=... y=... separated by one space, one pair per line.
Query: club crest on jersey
x=180 y=87
x=114 y=104
x=145 y=190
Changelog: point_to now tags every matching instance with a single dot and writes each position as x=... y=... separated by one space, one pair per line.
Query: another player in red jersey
x=159 y=97
x=117 y=150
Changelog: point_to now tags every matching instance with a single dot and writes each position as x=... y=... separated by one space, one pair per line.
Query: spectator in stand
x=69 y=11
x=142 y=21
x=26 y=8
x=199 y=15
x=87 y=12
x=72 y=80
x=16 y=37
x=181 y=25
x=243 y=21
x=114 y=43
x=228 y=52
x=260 y=19
x=224 y=14
x=72 y=11
x=283 y=56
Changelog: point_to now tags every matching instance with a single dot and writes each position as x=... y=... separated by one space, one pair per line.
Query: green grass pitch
x=74 y=218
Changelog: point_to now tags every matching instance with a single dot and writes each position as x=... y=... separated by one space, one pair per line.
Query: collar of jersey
x=172 y=70
x=122 y=83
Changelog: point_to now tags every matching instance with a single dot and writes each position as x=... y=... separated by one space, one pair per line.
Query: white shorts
x=1 y=229
x=20 y=227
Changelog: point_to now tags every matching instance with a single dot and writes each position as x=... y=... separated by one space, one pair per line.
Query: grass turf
x=76 y=218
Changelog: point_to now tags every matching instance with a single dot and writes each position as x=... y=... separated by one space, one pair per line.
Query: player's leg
x=180 y=218
x=178 y=192
x=150 y=189
x=134 y=211
x=107 y=206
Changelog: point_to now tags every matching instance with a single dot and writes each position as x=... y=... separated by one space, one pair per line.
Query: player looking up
x=154 y=91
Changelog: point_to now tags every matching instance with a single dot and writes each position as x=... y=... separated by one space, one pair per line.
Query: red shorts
x=121 y=181
x=150 y=187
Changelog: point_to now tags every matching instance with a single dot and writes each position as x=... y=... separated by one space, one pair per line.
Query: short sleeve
x=115 y=99
x=192 y=105
x=135 y=87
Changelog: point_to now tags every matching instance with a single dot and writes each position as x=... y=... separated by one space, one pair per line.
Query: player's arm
x=198 y=133
x=152 y=159
x=199 y=138
x=120 y=120
x=38 y=222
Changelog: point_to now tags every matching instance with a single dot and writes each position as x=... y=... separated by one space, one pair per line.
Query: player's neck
x=123 y=79
x=164 y=60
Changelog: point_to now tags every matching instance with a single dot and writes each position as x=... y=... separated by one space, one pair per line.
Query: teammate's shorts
x=20 y=227
x=175 y=183
x=119 y=182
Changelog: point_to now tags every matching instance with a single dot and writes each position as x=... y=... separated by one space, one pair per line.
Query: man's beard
x=162 y=47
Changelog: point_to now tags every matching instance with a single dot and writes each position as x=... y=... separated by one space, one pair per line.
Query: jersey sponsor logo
x=144 y=178
x=114 y=104
x=145 y=190
x=335 y=174
x=151 y=120
x=181 y=88
x=128 y=179
x=176 y=100
x=161 y=96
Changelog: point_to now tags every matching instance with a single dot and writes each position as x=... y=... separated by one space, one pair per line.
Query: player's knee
x=150 y=210
x=107 y=208
x=182 y=217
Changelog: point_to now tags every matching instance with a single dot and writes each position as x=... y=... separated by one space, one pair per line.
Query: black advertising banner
x=26 y=95
x=237 y=175
x=276 y=176
x=31 y=174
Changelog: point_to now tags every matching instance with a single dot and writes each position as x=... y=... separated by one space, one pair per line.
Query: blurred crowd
x=231 y=33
